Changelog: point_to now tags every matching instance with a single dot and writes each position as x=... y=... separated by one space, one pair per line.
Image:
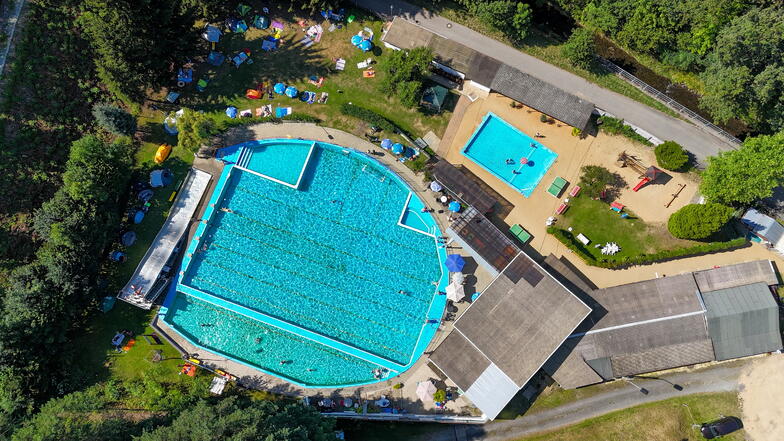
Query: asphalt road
x=719 y=378
x=665 y=127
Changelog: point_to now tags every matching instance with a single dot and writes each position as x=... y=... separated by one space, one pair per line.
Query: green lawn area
x=293 y=64
x=594 y=219
x=667 y=420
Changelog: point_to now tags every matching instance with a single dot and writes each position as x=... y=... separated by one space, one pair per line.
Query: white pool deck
x=138 y=291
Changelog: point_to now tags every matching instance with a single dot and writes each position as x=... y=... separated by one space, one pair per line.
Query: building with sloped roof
x=766 y=228
x=492 y=74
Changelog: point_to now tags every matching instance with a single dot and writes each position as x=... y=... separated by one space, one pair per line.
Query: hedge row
x=368 y=116
x=225 y=123
x=615 y=126
x=568 y=239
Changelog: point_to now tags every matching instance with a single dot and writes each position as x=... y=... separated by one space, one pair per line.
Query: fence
x=669 y=102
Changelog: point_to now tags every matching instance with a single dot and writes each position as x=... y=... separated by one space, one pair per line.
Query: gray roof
x=743 y=321
x=729 y=276
x=492 y=73
x=463 y=186
x=517 y=324
x=764 y=226
x=542 y=96
x=484 y=239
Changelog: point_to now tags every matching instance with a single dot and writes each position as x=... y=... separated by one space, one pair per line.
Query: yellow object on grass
x=162 y=153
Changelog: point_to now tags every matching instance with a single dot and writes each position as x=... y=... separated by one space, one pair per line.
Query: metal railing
x=669 y=102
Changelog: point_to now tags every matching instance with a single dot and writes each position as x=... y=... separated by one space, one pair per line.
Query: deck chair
x=340 y=64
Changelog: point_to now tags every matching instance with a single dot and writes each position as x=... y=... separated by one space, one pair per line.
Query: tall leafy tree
x=580 y=48
x=405 y=71
x=138 y=43
x=742 y=176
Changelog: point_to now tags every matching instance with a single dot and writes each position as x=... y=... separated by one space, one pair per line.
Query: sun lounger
x=561 y=209
x=324 y=97
x=616 y=206
x=247 y=113
x=369 y=73
x=520 y=233
x=316 y=81
x=365 y=63
x=340 y=64
x=575 y=191
x=306 y=42
x=280 y=112
x=129 y=345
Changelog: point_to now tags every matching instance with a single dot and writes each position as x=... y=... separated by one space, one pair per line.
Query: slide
x=642 y=182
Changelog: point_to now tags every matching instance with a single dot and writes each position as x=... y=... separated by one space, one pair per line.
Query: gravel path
x=761 y=388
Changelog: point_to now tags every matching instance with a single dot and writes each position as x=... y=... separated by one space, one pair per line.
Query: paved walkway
x=9 y=17
x=663 y=126
x=721 y=377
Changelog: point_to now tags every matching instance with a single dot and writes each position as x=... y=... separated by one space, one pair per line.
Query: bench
x=561 y=209
x=584 y=240
x=520 y=233
x=557 y=187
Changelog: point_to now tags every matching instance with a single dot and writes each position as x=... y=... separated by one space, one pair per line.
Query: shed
x=433 y=98
x=765 y=227
x=742 y=321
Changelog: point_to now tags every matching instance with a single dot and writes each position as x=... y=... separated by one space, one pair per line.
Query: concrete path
x=691 y=137
x=9 y=16
x=717 y=378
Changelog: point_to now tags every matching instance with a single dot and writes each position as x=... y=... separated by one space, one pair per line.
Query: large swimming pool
x=499 y=147
x=314 y=263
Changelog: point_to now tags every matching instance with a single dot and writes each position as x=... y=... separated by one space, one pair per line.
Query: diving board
x=139 y=290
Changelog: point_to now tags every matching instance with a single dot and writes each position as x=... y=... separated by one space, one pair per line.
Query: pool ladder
x=244 y=158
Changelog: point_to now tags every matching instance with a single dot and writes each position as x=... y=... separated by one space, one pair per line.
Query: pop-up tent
x=231 y=112
x=269 y=43
x=236 y=25
x=161 y=178
x=261 y=22
x=170 y=123
x=216 y=58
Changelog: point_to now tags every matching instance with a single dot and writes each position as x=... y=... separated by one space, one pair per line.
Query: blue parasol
x=365 y=45
x=231 y=112
x=291 y=92
x=279 y=88
x=397 y=148
x=454 y=206
x=454 y=263
x=355 y=40
x=386 y=143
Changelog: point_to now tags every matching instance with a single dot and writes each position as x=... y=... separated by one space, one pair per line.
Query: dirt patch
x=761 y=389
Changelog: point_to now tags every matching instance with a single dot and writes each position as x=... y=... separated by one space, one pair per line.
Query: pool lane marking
x=295 y=186
x=320 y=282
x=292 y=328
x=340 y=224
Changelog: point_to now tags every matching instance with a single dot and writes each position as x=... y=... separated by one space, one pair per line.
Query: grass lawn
x=667 y=420
x=595 y=220
x=293 y=64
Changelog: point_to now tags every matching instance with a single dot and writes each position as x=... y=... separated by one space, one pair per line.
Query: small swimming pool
x=499 y=148
x=331 y=282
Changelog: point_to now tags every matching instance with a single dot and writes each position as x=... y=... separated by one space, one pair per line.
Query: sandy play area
x=761 y=391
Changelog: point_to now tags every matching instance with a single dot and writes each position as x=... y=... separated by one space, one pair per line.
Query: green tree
x=699 y=221
x=235 y=419
x=599 y=16
x=670 y=155
x=495 y=13
x=745 y=175
x=649 y=28
x=91 y=170
x=594 y=179
x=745 y=72
x=580 y=48
x=521 y=20
x=137 y=42
x=405 y=72
x=114 y=119
x=194 y=130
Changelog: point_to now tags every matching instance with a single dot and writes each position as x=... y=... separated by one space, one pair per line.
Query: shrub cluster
x=699 y=221
x=368 y=116
x=670 y=155
x=615 y=126
x=568 y=239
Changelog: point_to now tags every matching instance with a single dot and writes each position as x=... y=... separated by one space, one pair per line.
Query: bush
x=114 y=119
x=368 y=116
x=615 y=126
x=544 y=118
x=405 y=71
x=195 y=127
x=699 y=221
x=594 y=179
x=568 y=239
x=439 y=396
x=670 y=155
x=579 y=49
x=398 y=386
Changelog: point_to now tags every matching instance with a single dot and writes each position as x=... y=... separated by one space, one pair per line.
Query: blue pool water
x=496 y=140
x=312 y=275
x=279 y=160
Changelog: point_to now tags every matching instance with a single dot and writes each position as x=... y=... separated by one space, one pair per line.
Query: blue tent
x=117 y=256
x=240 y=58
x=185 y=75
x=137 y=217
x=291 y=92
x=216 y=58
x=279 y=88
x=211 y=34
x=365 y=45
x=355 y=40
x=269 y=43
x=397 y=148
x=386 y=143
x=454 y=206
x=231 y=112
x=236 y=25
x=455 y=263
x=128 y=239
